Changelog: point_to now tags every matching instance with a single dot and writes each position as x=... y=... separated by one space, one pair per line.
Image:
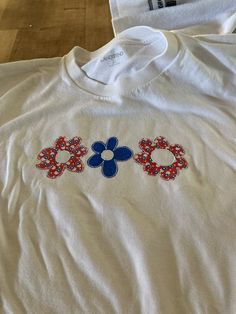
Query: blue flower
x=107 y=155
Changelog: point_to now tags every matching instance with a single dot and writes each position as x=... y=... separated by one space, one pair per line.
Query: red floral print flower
x=152 y=168
x=49 y=162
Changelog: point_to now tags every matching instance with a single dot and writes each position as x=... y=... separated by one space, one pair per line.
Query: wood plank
x=8 y=38
x=51 y=28
x=3 y=4
x=98 y=24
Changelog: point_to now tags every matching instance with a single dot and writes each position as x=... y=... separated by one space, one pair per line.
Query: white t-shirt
x=188 y=16
x=120 y=197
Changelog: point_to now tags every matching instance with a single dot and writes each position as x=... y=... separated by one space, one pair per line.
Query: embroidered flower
x=107 y=155
x=72 y=151
x=166 y=172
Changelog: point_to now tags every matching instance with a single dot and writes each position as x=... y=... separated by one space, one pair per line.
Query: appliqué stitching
x=48 y=161
x=109 y=168
x=152 y=168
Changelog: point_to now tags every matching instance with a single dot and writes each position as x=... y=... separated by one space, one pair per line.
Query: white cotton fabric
x=189 y=16
x=133 y=243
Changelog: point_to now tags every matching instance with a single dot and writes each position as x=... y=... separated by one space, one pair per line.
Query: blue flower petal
x=122 y=153
x=95 y=161
x=112 y=143
x=109 y=168
x=98 y=147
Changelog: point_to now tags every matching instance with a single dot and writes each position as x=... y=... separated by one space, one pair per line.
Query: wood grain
x=40 y=28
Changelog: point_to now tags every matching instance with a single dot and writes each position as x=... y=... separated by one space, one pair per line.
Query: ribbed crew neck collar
x=78 y=56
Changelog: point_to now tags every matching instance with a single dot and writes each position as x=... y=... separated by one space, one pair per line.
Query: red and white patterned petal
x=181 y=163
x=74 y=165
x=47 y=154
x=147 y=145
x=168 y=173
x=79 y=151
x=74 y=142
x=151 y=168
x=161 y=142
x=142 y=158
x=44 y=165
x=61 y=143
x=177 y=150
x=56 y=171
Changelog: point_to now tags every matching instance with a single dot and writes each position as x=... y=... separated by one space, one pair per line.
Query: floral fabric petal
x=181 y=163
x=161 y=142
x=177 y=150
x=47 y=154
x=74 y=164
x=61 y=143
x=147 y=145
x=122 y=153
x=151 y=168
x=142 y=158
x=112 y=143
x=80 y=151
x=168 y=173
x=43 y=165
x=109 y=168
x=56 y=171
x=95 y=161
x=98 y=147
x=75 y=141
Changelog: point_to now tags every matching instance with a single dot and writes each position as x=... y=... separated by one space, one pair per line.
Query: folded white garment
x=189 y=16
x=125 y=8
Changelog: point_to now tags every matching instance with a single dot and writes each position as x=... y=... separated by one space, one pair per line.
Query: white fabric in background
x=190 y=16
x=125 y=8
x=134 y=242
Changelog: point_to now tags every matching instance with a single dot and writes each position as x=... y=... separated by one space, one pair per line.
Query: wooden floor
x=47 y=28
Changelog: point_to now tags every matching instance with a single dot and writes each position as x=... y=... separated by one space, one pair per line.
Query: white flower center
x=162 y=157
x=107 y=154
x=62 y=156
